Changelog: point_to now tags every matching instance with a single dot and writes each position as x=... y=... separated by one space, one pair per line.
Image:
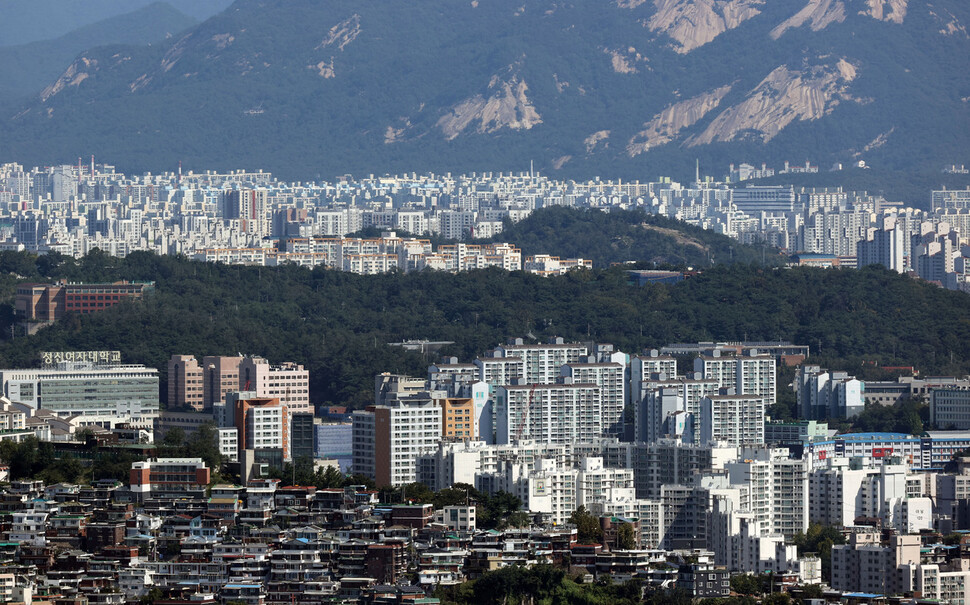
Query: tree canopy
x=338 y=324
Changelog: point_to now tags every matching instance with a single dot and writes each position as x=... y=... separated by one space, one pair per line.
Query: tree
x=745 y=584
x=84 y=435
x=518 y=519
x=303 y=471
x=175 y=437
x=204 y=443
x=457 y=495
x=358 y=479
x=497 y=508
x=625 y=537
x=819 y=539
x=904 y=416
x=154 y=594
x=587 y=526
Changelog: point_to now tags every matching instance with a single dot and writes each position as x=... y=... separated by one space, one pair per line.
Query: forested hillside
x=338 y=324
x=627 y=235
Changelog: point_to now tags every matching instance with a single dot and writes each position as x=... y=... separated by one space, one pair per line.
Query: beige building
x=185 y=383
x=288 y=382
x=866 y=564
x=221 y=377
x=203 y=386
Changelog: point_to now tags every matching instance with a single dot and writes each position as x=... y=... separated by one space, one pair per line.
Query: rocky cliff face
x=782 y=97
x=504 y=105
x=666 y=125
x=78 y=72
x=694 y=23
x=893 y=11
x=818 y=14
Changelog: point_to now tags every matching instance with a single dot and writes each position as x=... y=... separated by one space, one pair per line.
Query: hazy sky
x=23 y=21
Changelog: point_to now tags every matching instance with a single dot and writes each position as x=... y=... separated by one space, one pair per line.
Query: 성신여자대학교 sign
x=52 y=358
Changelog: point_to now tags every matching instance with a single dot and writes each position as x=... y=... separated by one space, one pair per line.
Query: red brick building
x=49 y=302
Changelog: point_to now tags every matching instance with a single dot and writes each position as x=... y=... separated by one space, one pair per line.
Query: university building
x=49 y=302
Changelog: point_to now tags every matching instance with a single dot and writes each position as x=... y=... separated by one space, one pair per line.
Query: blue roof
x=878 y=437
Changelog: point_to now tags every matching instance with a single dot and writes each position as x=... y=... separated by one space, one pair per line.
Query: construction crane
x=525 y=415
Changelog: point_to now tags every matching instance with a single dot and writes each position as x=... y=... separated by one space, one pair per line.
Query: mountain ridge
x=619 y=89
x=27 y=68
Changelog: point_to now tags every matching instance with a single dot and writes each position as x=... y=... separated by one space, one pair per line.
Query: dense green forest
x=620 y=236
x=338 y=324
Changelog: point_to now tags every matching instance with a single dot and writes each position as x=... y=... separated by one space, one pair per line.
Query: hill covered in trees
x=620 y=236
x=338 y=324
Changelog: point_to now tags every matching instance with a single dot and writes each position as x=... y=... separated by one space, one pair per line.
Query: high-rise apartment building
x=755 y=375
x=733 y=420
x=611 y=380
x=885 y=246
x=749 y=374
x=824 y=394
x=717 y=367
x=262 y=424
x=458 y=418
x=644 y=367
x=542 y=362
x=779 y=489
x=389 y=438
x=251 y=208
x=498 y=370
x=548 y=413
x=647 y=422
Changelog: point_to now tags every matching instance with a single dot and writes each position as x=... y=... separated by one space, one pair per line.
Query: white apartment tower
x=542 y=362
x=733 y=420
x=548 y=413
x=611 y=379
x=388 y=439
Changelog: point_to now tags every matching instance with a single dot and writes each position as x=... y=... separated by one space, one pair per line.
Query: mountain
x=26 y=21
x=631 y=88
x=27 y=68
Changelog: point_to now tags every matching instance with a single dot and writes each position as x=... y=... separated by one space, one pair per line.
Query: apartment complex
x=387 y=439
